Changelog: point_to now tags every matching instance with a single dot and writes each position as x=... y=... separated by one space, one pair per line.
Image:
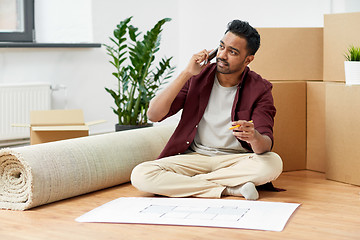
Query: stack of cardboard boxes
x=342 y=103
x=316 y=126
x=289 y=58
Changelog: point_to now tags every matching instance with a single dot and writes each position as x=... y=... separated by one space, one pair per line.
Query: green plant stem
x=130 y=105
x=141 y=82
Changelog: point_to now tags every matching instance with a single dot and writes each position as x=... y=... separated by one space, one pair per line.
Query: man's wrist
x=260 y=143
x=186 y=74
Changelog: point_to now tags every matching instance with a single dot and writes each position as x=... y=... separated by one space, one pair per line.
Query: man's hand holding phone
x=200 y=60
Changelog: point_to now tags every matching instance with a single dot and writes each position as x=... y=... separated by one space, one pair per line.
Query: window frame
x=28 y=34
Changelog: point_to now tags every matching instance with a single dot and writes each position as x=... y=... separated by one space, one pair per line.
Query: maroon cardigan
x=253 y=101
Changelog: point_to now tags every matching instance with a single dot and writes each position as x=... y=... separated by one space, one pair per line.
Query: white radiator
x=16 y=102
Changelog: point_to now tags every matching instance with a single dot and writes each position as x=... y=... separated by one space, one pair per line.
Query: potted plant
x=352 y=66
x=137 y=78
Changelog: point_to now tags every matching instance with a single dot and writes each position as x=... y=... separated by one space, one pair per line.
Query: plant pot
x=119 y=127
x=352 y=72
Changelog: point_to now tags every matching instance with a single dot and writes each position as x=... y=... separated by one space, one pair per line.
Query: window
x=16 y=20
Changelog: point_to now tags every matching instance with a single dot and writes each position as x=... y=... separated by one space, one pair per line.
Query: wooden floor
x=329 y=210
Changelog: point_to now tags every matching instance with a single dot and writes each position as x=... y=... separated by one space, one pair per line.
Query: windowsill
x=48 y=45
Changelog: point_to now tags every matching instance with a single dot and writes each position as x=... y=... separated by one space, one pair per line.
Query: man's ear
x=249 y=59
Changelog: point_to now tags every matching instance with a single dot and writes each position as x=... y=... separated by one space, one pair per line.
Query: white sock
x=247 y=190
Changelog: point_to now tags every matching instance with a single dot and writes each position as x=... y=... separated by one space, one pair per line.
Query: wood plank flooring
x=329 y=210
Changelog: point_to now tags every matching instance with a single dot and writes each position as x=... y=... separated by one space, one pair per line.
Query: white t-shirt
x=213 y=136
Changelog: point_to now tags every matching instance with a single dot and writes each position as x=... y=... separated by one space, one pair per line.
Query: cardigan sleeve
x=256 y=103
x=265 y=110
x=178 y=102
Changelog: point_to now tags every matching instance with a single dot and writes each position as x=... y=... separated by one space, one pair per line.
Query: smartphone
x=212 y=54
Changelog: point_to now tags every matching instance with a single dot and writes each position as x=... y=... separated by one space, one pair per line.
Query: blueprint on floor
x=260 y=215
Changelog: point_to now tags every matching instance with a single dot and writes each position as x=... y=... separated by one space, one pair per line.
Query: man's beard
x=225 y=69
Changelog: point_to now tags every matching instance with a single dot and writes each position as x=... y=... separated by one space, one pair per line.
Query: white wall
x=196 y=24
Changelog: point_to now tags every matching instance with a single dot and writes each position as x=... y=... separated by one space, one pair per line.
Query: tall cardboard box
x=340 y=31
x=290 y=54
x=55 y=125
x=290 y=123
x=315 y=159
x=343 y=133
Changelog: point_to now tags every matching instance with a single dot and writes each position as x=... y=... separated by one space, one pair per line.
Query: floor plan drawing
x=225 y=213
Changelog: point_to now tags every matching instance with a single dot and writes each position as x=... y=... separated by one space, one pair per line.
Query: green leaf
x=132 y=33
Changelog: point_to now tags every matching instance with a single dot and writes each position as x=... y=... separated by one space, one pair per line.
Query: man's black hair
x=244 y=30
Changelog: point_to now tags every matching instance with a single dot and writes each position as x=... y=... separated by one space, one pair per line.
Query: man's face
x=232 y=54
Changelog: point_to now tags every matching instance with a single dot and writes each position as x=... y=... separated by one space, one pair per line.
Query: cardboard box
x=315 y=159
x=340 y=31
x=342 y=133
x=290 y=54
x=290 y=123
x=55 y=125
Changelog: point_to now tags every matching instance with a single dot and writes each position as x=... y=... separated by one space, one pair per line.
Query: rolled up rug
x=35 y=175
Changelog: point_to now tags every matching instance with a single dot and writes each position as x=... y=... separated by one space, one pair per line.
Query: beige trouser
x=198 y=175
